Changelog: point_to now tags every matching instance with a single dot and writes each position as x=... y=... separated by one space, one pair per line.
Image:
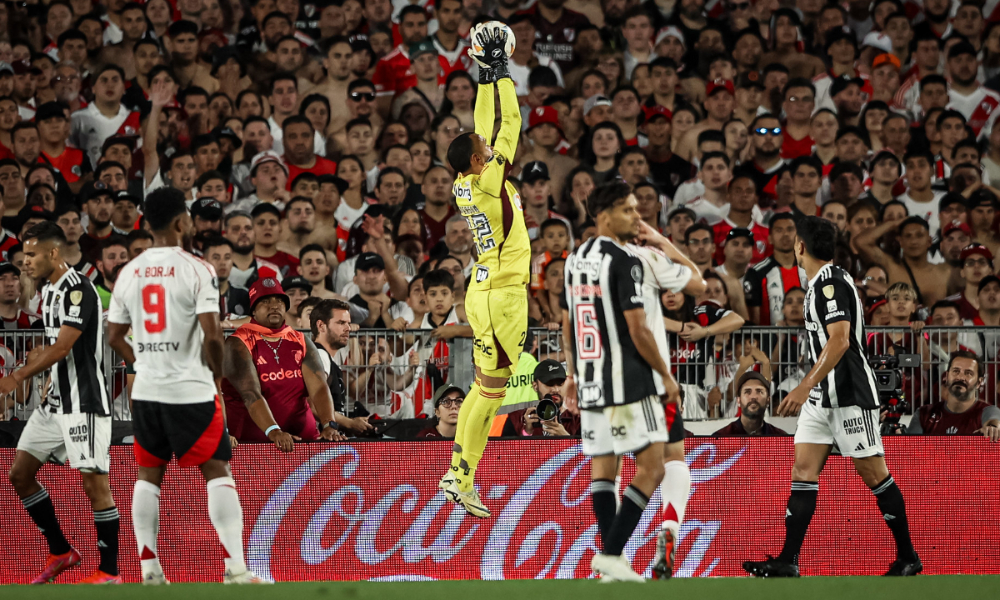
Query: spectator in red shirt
x=960 y=412
x=447 y=401
x=976 y=262
x=755 y=396
x=439 y=205
x=800 y=100
x=299 y=139
x=267 y=229
x=393 y=74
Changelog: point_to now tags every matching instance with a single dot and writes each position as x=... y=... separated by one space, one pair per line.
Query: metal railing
x=394 y=374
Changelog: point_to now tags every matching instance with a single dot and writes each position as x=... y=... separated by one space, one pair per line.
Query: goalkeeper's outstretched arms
x=471 y=153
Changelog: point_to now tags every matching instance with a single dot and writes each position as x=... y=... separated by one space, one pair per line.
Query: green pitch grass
x=809 y=588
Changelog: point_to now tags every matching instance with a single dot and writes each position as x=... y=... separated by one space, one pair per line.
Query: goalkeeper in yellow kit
x=497 y=300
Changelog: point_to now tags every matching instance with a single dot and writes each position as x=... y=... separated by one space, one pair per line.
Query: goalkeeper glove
x=493 y=40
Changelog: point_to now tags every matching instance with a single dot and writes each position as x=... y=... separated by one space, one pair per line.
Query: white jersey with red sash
x=90 y=128
x=978 y=108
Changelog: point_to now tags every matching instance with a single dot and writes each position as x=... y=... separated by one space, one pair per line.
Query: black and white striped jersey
x=830 y=298
x=78 y=384
x=603 y=280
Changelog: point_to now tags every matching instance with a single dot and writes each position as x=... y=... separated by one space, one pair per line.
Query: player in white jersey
x=170 y=299
x=667 y=268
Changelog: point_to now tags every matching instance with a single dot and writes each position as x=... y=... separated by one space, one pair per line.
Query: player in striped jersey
x=74 y=422
x=839 y=406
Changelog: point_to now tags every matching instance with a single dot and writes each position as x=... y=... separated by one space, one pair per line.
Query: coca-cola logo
x=536 y=531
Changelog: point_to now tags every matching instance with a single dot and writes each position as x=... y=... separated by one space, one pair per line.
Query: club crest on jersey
x=517 y=201
x=987 y=107
x=76 y=297
x=76 y=170
x=828 y=292
x=570 y=34
x=129 y=130
x=637 y=274
x=298 y=356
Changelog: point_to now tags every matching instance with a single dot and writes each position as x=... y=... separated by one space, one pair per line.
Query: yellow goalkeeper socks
x=477 y=431
x=463 y=417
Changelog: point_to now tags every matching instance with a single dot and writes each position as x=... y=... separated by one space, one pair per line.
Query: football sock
x=633 y=503
x=602 y=494
x=801 y=506
x=890 y=502
x=227 y=517
x=674 y=490
x=463 y=417
x=43 y=513
x=106 y=522
x=146 y=524
x=477 y=431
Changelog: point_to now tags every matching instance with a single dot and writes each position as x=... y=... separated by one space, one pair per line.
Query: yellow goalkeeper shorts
x=499 y=321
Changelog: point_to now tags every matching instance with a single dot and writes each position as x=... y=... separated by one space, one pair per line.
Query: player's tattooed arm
x=239 y=370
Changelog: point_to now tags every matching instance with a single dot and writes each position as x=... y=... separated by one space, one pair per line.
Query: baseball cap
x=840 y=84
x=550 y=370
x=877 y=39
x=951 y=198
x=749 y=79
x=125 y=196
x=208 y=209
x=368 y=261
x=99 y=188
x=128 y=141
x=653 y=112
x=840 y=33
x=982 y=282
x=737 y=232
x=956 y=226
x=229 y=134
x=720 y=85
x=542 y=115
x=50 y=110
x=23 y=67
x=669 y=31
x=266 y=156
x=297 y=282
x=887 y=57
x=975 y=249
x=265 y=288
x=885 y=155
x=32 y=212
x=962 y=48
x=444 y=390
x=534 y=171
x=5 y=68
x=982 y=197
x=424 y=46
x=595 y=100
x=7 y=267
x=756 y=377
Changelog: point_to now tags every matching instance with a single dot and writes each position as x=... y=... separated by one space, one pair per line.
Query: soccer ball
x=478 y=50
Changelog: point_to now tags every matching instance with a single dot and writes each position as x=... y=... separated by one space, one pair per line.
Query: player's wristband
x=267 y=432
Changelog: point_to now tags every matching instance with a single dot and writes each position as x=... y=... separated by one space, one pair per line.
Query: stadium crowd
x=310 y=140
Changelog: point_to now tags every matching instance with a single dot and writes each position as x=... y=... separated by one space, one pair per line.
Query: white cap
x=267 y=156
x=877 y=39
x=669 y=31
x=595 y=100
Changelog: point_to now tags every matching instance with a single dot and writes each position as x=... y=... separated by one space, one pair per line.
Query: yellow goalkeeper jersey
x=490 y=203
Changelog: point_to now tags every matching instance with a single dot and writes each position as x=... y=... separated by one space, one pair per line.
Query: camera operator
x=447 y=402
x=960 y=412
x=753 y=391
x=550 y=378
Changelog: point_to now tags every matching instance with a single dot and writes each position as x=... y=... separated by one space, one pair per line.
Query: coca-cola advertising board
x=373 y=511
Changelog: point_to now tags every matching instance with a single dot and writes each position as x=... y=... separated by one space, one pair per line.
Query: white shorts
x=82 y=439
x=853 y=431
x=622 y=429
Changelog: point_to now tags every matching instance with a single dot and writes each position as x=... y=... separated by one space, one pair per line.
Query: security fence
x=394 y=374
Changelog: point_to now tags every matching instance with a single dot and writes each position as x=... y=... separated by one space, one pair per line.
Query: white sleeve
x=207 y=292
x=667 y=274
x=117 y=308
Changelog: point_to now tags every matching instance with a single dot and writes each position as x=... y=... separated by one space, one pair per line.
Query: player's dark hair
x=914 y=220
x=209 y=176
x=324 y=312
x=182 y=26
x=819 y=236
x=299 y=200
x=163 y=205
x=713 y=275
x=111 y=241
x=46 y=231
x=296 y=120
x=311 y=248
x=719 y=155
x=137 y=234
x=438 y=278
x=460 y=152
x=389 y=171
x=966 y=354
x=606 y=196
x=554 y=222
x=945 y=304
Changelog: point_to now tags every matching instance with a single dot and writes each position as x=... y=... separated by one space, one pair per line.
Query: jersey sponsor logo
x=157 y=346
x=281 y=375
x=462 y=190
x=619 y=432
x=587 y=291
x=588 y=434
x=482 y=273
x=591 y=392
x=831 y=306
x=832 y=315
x=810 y=326
x=591 y=268
x=483 y=347
x=74 y=311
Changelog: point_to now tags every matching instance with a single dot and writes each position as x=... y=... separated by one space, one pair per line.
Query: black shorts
x=195 y=433
x=675 y=423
